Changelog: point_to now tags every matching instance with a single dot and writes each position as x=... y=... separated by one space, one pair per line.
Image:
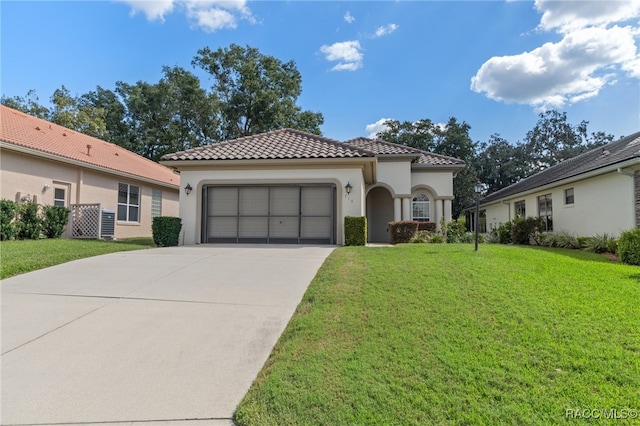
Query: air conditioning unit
x=108 y=224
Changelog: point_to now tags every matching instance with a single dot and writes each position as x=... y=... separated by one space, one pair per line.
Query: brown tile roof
x=275 y=145
x=27 y=131
x=624 y=149
x=387 y=148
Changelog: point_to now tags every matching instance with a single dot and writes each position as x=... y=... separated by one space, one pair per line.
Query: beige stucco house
x=593 y=193
x=111 y=191
x=288 y=186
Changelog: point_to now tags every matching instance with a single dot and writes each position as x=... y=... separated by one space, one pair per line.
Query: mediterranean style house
x=596 y=192
x=111 y=191
x=289 y=186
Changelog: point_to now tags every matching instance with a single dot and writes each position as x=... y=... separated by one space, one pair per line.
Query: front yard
x=18 y=257
x=437 y=334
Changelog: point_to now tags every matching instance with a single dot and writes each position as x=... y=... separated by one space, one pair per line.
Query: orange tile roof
x=27 y=131
x=282 y=144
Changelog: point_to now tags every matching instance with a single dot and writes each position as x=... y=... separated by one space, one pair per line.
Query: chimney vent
x=88 y=150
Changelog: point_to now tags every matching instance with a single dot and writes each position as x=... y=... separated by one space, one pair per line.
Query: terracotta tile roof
x=387 y=148
x=275 y=145
x=616 y=152
x=27 y=131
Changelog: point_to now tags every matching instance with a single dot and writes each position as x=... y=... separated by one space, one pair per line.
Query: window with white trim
x=421 y=208
x=59 y=197
x=156 y=203
x=545 y=211
x=568 y=196
x=128 y=203
x=520 y=208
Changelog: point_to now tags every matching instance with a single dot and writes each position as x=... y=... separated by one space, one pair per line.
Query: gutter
x=619 y=170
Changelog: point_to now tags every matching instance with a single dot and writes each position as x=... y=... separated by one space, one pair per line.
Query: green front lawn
x=437 y=334
x=18 y=257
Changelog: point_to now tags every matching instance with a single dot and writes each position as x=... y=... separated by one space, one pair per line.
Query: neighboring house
x=288 y=186
x=593 y=193
x=111 y=192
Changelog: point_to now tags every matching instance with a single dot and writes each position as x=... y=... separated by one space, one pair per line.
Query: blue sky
x=493 y=64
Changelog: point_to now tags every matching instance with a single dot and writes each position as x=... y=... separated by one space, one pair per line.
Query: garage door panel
x=316 y=201
x=285 y=201
x=253 y=227
x=270 y=214
x=222 y=227
x=254 y=201
x=223 y=201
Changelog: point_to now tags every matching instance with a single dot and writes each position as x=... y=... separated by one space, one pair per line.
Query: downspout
x=79 y=184
x=635 y=202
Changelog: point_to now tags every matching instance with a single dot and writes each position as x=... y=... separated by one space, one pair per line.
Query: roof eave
x=54 y=157
x=571 y=179
x=439 y=167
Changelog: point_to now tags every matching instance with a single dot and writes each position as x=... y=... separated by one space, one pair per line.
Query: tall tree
x=115 y=113
x=500 y=164
x=416 y=134
x=257 y=93
x=553 y=140
x=69 y=112
x=451 y=139
x=30 y=104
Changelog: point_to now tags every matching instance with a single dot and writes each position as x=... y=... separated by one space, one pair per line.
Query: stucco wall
x=25 y=174
x=396 y=174
x=346 y=205
x=603 y=204
x=440 y=182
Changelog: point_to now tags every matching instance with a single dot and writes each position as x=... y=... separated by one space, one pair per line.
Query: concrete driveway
x=164 y=336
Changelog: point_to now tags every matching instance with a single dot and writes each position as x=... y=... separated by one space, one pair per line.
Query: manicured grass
x=437 y=334
x=18 y=257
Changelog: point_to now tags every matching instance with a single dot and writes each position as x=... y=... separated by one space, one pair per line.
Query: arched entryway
x=379 y=214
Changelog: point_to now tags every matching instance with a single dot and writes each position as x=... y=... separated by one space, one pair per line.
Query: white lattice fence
x=85 y=221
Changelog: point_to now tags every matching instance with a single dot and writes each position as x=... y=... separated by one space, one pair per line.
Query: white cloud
x=349 y=18
x=568 y=15
x=347 y=53
x=591 y=54
x=374 y=128
x=209 y=15
x=385 y=30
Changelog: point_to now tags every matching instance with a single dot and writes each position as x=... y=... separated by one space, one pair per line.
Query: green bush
x=455 y=231
x=29 y=221
x=428 y=237
x=426 y=226
x=504 y=233
x=166 y=230
x=612 y=246
x=526 y=231
x=629 y=246
x=55 y=218
x=598 y=243
x=402 y=231
x=8 y=210
x=355 y=230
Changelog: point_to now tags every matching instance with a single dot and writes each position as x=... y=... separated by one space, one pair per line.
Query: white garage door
x=274 y=214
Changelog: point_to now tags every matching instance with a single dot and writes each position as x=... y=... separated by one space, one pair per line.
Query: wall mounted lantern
x=187 y=189
x=348 y=188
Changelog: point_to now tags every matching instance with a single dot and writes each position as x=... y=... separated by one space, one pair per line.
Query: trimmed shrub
x=8 y=210
x=455 y=231
x=426 y=226
x=166 y=230
x=526 y=231
x=355 y=230
x=612 y=246
x=55 y=218
x=629 y=246
x=402 y=231
x=29 y=221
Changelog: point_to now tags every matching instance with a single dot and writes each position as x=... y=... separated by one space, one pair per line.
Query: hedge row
x=403 y=231
x=30 y=220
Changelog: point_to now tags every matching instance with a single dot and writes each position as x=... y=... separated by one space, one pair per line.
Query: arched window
x=421 y=211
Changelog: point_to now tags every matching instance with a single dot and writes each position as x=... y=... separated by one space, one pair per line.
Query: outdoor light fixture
x=478 y=189
x=187 y=189
x=348 y=188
